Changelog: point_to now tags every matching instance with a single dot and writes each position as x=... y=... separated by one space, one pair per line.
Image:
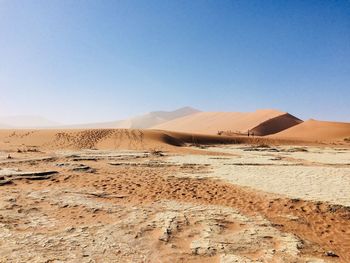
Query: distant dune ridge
x=187 y=124
x=25 y=121
x=157 y=117
x=314 y=130
x=260 y=122
x=139 y=122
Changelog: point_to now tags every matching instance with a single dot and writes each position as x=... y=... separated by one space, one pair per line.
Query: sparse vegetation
x=231 y=133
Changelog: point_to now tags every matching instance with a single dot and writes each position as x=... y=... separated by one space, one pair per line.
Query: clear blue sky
x=79 y=61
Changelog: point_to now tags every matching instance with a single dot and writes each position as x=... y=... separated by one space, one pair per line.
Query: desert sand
x=234 y=122
x=107 y=195
x=313 y=130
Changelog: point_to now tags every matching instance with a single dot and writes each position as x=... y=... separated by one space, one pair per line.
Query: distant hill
x=2 y=126
x=314 y=130
x=260 y=122
x=25 y=121
x=139 y=122
x=158 y=117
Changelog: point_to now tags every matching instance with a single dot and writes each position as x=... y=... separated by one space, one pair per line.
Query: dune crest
x=235 y=122
x=276 y=124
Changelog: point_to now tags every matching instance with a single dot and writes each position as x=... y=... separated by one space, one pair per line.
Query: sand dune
x=107 y=139
x=139 y=122
x=313 y=130
x=276 y=124
x=235 y=122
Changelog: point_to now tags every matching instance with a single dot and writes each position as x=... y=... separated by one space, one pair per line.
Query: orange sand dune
x=313 y=130
x=276 y=124
x=236 y=122
x=106 y=139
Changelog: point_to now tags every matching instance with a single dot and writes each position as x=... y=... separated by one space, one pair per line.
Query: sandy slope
x=111 y=139
x=276 y=125
x=240 y=122
x=314 y=130
x=12 y=140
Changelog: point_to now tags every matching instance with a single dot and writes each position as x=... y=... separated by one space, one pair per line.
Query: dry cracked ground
x=228 y=204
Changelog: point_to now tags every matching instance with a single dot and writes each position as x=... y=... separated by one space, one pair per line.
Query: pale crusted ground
x=308 y=173
x=160 y=232
x=140 y=206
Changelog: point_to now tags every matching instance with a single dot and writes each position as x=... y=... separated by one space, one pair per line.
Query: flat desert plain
x=152 y=196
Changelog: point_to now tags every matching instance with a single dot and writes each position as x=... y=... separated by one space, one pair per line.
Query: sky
x=78 y=61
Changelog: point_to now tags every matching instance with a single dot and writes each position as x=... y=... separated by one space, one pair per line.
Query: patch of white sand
x=312 y=154
x=256 y=170
x=324 y=157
